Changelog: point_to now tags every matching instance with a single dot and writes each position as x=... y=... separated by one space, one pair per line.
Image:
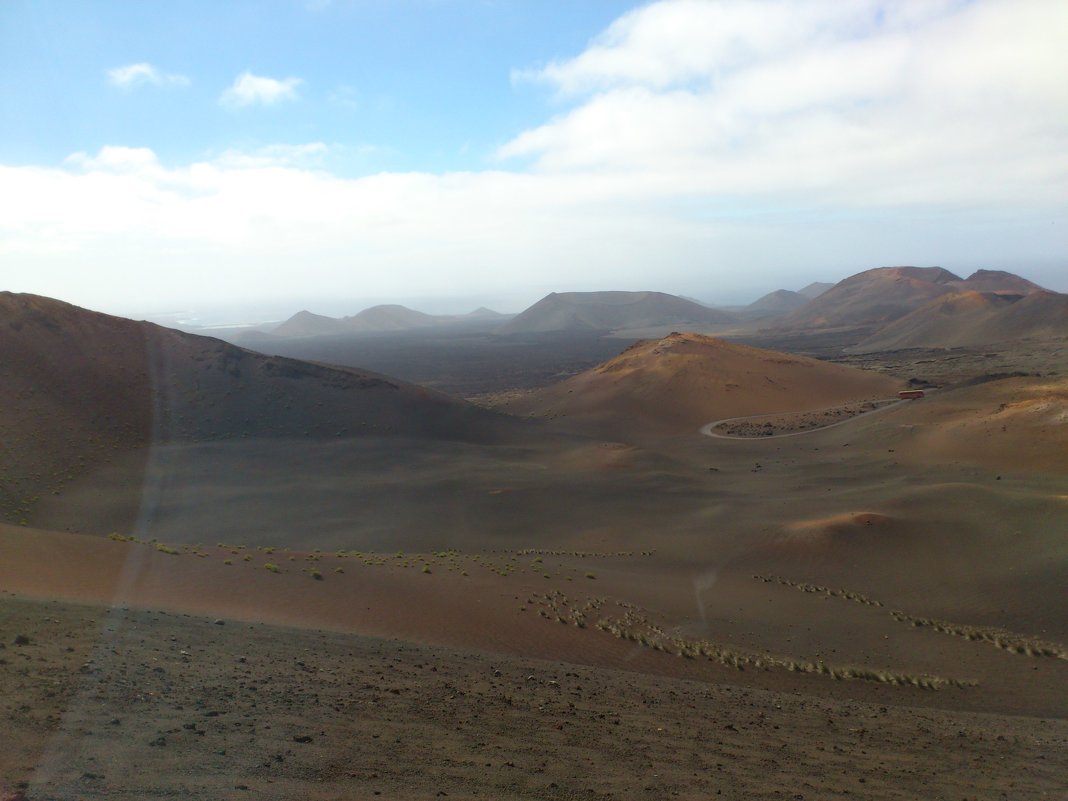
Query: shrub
x=273 y=568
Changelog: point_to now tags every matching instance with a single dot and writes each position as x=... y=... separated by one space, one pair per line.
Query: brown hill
x=974 y=318
x=815 y=289
x=376 y=318
x=482 y=313
x=948 y=321
x=608 y=311
x=1039 y=314
x=388 y=318
x=307 y=324
x=78 y=388
x=998 y=281
x=1012 y=424
x=780 y=301
x=873 y=297
x=685 y=380
x=391 y=317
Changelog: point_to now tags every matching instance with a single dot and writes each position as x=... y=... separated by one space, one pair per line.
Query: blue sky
x=276 y=156
x=408 y=84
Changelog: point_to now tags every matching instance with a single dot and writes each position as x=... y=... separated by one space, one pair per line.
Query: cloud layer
x=132 y=76
x=699 y=146
x=250 y=90
x=861 y=103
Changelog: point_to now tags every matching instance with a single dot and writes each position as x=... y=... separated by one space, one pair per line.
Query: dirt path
x=708 y=429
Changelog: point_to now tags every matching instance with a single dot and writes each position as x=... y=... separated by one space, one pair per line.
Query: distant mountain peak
x=999 y=281
x=613 y=310
x=815 y=289
x=778 y=302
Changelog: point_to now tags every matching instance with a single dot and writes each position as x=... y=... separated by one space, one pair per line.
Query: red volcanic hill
x=685 y=380
x=77 y=387
x=974 y=318
x=998 y=281
x=873 y=297
x=609 y=311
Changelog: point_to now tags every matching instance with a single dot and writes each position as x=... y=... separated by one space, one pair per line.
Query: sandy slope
x=974 y=318
x=1011 y=424
x=79 y=390
x=685 y=380
x=134 y=705
x=495 y=600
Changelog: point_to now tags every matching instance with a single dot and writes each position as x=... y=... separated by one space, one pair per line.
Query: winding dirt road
x=708 y=429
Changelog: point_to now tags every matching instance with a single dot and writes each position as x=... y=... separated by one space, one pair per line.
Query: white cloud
x=133 y=75
x=113 y=158
x=860 y=103
x=674 y=42
x=248 y=89
x=118 y=228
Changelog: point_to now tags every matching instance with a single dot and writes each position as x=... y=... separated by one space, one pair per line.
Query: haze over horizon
x=446 y=155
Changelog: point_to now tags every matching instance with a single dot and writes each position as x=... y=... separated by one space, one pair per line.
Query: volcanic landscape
x=621 y=545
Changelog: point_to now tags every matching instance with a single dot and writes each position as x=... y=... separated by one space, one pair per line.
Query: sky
x=257 y=158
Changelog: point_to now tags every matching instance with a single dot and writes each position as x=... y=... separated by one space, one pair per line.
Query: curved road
x=707 y=428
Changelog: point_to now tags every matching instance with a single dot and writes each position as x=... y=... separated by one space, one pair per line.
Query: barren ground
x=124 y=704
x=874 y=610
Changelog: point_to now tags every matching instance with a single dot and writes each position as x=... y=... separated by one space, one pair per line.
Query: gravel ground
x=129 y=704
